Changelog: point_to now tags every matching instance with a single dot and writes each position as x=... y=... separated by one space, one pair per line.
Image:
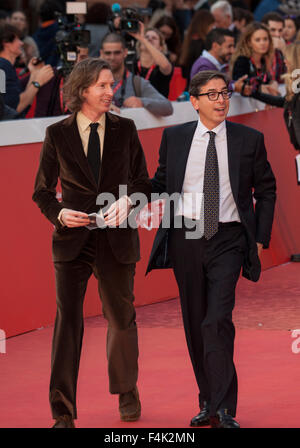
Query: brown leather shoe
x=130 y=406
x=64 y=421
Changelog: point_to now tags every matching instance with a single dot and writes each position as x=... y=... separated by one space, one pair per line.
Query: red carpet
x=268 y=370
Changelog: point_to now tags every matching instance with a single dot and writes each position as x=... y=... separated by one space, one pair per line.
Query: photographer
x=19 y=96
x=19 y=19
x=49 y=100
x=152 y=64
x=45 y=34
x=130 y=90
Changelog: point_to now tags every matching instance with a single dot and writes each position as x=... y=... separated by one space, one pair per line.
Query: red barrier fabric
x=177 y=84
x=27 y=298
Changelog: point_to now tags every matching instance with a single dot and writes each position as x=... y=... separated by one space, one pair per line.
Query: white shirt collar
x=212 y=59
x=220 y=129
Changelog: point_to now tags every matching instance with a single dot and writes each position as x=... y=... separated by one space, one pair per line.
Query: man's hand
x=117 y=212
x=73 y=218
x=271 y=88
x=279 y=43
x=238 y=86
x=40 y=73
x=43 y=75
x=33 y=66
x=133 y=101
x=259 y=248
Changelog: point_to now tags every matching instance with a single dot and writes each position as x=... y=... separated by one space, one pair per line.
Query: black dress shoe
x=202 y=419
x=223 y=420
x=64 y=421
x=130 y=406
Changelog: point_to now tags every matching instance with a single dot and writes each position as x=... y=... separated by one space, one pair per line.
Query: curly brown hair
x=243 y=48
x=84 y=74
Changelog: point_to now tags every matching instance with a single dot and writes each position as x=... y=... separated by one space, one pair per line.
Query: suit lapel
x=72 y=138
x=234 y=145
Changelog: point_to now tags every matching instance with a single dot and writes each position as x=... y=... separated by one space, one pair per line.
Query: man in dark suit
x=210 y=168
x=92 y=152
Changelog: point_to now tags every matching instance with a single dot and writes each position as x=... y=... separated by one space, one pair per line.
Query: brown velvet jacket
x=62 y=157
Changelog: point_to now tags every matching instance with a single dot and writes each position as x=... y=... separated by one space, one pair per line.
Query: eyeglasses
x=214 y=96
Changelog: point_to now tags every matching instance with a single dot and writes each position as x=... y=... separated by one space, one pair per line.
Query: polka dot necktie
x=211 y=189
x=93 y=154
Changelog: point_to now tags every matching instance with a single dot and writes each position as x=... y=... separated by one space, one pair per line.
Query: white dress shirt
x=191 y=200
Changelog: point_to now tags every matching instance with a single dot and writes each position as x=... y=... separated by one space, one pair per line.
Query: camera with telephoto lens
x=68 y=38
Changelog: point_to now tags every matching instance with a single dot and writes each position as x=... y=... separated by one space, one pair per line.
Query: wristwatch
x=36 y=84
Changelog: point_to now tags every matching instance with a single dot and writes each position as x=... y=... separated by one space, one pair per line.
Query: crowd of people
x=186 y=35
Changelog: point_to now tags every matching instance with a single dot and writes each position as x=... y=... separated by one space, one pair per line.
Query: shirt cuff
x=59 y=216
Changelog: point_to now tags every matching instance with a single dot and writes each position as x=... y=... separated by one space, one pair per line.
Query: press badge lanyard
x=63 y=106
x=149 y=72
x=122 y=84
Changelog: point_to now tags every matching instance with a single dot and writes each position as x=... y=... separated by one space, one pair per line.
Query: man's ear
x=215 y=46
x=83 y=92
x=125 y=52
x=194 y=102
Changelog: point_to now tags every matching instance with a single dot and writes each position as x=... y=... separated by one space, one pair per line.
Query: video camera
x=70 y=36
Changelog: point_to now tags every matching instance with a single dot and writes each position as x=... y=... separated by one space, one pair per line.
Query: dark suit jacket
x=248 y=169
x=62 y=156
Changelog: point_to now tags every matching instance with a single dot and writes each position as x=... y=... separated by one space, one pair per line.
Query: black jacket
x=248 y=169
x=291 y=114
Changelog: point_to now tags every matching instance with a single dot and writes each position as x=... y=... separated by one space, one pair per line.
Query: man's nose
x=109 y=91
x=221 y=100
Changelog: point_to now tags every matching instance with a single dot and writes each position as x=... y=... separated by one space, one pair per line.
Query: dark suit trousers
x=207 y=273
x=115 y=285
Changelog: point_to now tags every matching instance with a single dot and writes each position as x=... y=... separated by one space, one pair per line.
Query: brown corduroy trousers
x=115 y=286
